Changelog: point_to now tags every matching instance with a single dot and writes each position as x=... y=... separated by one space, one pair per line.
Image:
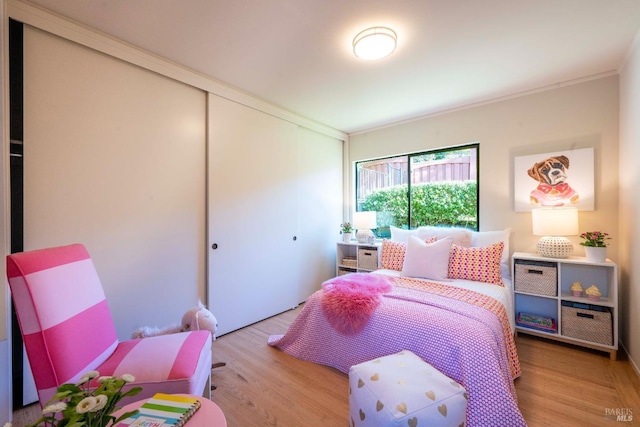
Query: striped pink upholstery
x=68 y=330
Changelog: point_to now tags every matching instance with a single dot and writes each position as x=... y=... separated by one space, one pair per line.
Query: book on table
x=164 y=410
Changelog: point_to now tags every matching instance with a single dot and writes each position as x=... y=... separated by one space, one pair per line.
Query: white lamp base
x=365 y=236
x=554 y=247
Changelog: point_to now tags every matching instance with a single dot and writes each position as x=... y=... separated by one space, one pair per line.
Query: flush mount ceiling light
x=374 y=43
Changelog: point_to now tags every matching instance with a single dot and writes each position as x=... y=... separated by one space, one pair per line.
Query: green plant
x=595 y=239
x=77 y=405
x=346 y=227
x=447 y=203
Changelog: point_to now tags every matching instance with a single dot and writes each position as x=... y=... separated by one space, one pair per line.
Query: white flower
x=128 y=378
x=92 y=374
x=57 y=407
x=87 y=376
x=101 y=401
x=103 y=379
x=86 y=405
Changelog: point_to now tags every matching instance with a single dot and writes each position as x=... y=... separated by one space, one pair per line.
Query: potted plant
x=346 y=229
x=81 y=404
x=595 y=246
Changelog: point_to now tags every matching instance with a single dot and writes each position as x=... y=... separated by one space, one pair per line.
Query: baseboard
x=632 y=362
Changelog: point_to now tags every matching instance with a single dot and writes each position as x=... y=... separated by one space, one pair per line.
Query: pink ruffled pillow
x=478 y=264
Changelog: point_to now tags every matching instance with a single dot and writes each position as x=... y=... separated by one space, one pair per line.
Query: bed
x=464 y=328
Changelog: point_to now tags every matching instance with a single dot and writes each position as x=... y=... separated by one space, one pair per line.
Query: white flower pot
x=595 y=254
x=346 y=237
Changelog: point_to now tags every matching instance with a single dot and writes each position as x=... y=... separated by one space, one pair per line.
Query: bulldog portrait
x=553 y=188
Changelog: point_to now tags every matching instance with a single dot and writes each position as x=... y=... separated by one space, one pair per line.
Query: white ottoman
x=403 y=390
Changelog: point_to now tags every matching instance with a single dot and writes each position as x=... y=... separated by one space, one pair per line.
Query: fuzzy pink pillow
x=479 y=264
x=348 y=301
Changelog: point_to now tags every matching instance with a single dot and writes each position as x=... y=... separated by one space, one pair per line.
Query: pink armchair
x=68 y=330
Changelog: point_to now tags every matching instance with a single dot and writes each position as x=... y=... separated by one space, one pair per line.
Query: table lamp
x=364 y=222
x=554 y=224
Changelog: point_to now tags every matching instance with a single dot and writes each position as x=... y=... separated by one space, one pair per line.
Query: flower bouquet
x=346 y=227
x=595 y=239
x=77 y=405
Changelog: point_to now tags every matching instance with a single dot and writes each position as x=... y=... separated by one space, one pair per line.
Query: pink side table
x=209 y=414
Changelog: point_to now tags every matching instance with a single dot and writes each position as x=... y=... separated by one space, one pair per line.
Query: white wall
x=571 y=117
x=577 y=116
x=629 y=206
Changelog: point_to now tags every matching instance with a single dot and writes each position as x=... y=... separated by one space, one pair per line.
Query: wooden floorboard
x=561 y=385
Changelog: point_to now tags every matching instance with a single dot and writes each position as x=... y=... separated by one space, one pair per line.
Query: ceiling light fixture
x=374 y=43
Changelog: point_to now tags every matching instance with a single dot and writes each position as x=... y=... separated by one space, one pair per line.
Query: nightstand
x=545 y=306
x=354 y=257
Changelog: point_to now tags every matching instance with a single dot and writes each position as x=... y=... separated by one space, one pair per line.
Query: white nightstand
x=354 y=257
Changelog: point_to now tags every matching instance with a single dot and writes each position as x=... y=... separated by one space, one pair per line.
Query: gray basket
x=589 y=324
x=536 y=277
x=368 y=258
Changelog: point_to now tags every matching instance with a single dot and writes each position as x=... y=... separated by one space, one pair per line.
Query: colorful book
x=164 y=410
x=534 y=321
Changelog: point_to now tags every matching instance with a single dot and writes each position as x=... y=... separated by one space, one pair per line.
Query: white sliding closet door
x=252 y=214
x=115 y=158
x=319 y=208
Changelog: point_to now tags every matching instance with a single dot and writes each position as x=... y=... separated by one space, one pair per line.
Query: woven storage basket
x=342 y=271
x=350 y=261
x=368 y=258
x=587 y=322
x=536 y=277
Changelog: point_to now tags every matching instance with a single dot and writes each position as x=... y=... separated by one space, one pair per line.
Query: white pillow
x=486 y=238
x=401 y=235
x=461 y=236
x=427 y=261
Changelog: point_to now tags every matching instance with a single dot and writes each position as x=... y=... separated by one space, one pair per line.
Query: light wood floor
x=561 y=385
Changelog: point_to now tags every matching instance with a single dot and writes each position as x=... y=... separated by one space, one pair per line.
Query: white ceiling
x=297 y=54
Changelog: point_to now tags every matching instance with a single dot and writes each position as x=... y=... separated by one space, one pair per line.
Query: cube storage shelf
x=542 y=290
x=354 y=257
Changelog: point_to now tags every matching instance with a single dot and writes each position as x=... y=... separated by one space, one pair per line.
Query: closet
x=274 y=204
x=139 y=160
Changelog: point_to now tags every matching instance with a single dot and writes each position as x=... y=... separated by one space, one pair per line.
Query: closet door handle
x=214 y=246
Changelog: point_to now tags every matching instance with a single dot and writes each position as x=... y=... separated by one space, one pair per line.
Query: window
x=438 y=187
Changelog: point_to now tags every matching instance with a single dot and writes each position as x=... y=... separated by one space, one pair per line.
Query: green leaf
x=125 y=416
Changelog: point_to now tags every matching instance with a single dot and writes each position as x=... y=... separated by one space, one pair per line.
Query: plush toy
x=197 y=318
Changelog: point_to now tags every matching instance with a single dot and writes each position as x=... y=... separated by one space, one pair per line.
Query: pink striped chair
x=68 y=330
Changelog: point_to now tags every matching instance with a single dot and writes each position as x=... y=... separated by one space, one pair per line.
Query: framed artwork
x=562 y=178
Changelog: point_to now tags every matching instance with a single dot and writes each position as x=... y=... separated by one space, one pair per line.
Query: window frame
x=409 y=156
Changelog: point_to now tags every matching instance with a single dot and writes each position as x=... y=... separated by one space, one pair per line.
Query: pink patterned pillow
x=392 y=256
x=479 y=264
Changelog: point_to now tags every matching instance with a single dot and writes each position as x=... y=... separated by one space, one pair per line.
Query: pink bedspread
x=459 y=338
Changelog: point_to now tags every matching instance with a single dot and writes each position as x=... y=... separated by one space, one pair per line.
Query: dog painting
x=553 y=187
x=563 y=178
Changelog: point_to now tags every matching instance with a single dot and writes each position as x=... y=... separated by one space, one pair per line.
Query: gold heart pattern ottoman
x=403 y=390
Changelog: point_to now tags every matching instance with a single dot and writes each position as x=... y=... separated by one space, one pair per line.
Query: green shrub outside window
x=438 y=188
